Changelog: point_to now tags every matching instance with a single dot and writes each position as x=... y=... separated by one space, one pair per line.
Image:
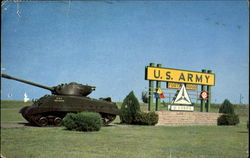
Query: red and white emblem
x=203 y=95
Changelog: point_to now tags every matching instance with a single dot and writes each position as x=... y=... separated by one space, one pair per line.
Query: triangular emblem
x=159 y=91
x=162 y=95
x=182 y=97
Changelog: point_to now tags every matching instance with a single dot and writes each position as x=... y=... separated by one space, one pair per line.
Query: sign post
x=158 y=85
x=209 y=95
x=151 y=91
x=203 y=88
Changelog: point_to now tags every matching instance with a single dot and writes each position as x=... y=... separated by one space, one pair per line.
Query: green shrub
x=226 y=107
x=69 y=121
x=84 y=121
x=146 y=118
x=130 y=107
x=228 y=119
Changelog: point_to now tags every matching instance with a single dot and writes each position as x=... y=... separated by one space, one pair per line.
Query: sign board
x=182 y=97
x=181 y=108
x=159 y=93
x=174 y=85
x=204 y=95
x=179 y=76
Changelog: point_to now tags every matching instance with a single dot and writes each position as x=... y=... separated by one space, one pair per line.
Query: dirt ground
x=14 y=124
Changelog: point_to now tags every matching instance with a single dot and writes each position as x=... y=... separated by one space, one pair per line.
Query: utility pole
x=241 y=97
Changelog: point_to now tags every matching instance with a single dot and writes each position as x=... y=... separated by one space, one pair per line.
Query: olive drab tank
x=65 y=98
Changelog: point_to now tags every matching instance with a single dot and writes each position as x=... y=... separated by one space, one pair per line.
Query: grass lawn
x=122 y=141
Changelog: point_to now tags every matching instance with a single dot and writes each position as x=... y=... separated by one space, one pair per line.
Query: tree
x=228 y=117
x=130 y=107
x=226 y=107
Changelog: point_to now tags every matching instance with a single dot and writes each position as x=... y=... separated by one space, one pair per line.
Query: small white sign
x=181 y=108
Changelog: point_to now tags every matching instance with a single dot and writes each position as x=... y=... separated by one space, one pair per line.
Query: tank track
x=44 y=120
x=56 y=120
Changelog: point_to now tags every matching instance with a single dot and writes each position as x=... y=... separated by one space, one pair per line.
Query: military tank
x=65 y=98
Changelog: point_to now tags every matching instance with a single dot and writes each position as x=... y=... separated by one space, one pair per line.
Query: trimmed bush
x=226 y=107
x=228 y=119
x=69 y=121
x=146 y=118
x=130 y=107
x=84 y=121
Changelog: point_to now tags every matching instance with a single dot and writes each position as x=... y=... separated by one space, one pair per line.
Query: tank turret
x=72 y=89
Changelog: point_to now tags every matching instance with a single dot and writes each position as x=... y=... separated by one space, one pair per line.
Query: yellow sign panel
x=178 y=85
x=191 y=86
x=180 y=76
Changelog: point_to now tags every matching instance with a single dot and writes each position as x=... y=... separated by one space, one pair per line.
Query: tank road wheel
x=108 y=119
x=42 y=121
x=57 y=121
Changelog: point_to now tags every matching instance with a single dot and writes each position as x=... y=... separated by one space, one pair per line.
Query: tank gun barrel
x=27 y=82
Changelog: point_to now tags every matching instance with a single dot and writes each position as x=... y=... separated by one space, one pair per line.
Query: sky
x=107 y=44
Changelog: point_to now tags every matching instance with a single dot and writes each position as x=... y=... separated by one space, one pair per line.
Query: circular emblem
x=204 y=95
